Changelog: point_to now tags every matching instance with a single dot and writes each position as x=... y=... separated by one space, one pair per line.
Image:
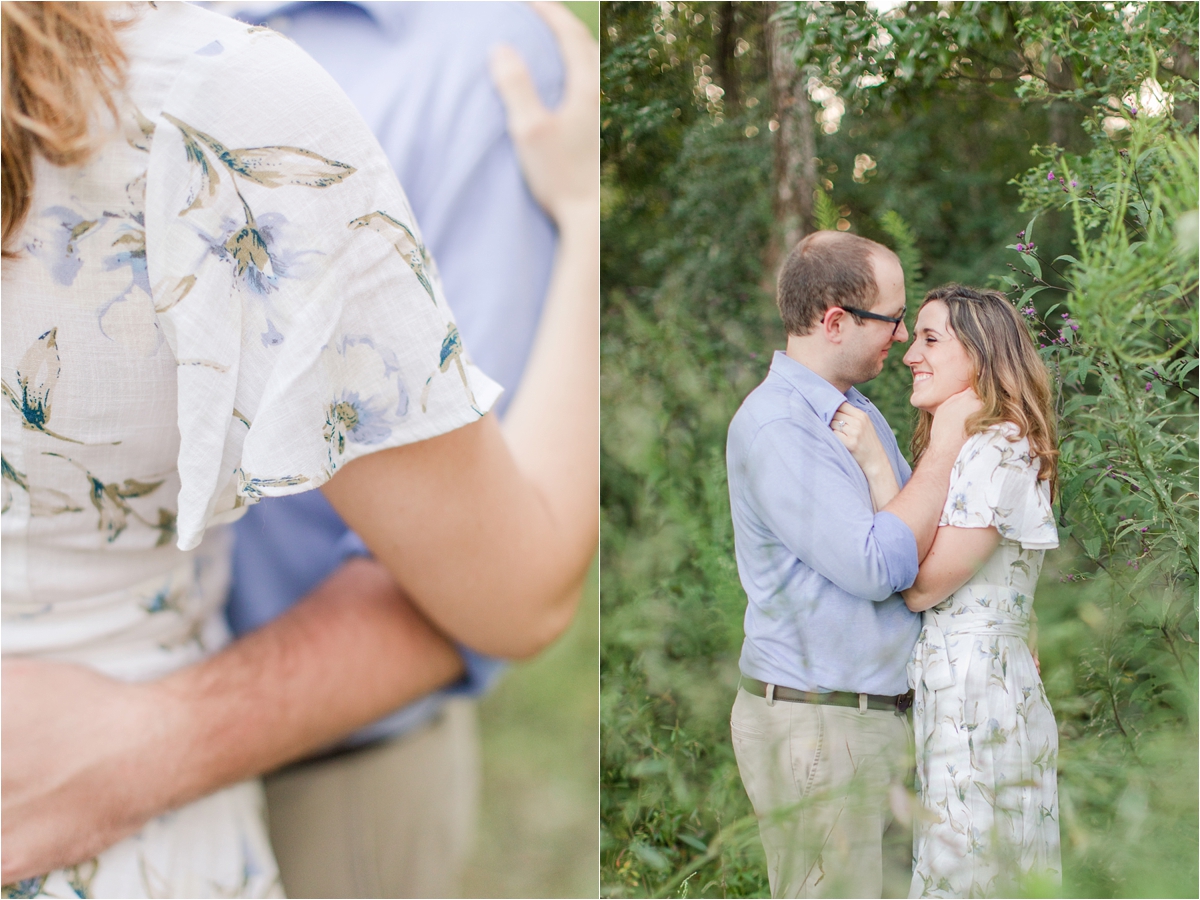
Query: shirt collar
x=822 y=396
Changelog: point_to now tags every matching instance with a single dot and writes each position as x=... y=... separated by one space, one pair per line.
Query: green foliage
x=904 y=242
x=942 y=105
x=1123 y=346
x=825 y=214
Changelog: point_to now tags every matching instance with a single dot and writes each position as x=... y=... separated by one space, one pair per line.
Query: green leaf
x=694 y=843
x=1034 y=265
x=651 y=857
x=1029 y=229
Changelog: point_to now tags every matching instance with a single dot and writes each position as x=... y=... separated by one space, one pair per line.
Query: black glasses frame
x=863 y=314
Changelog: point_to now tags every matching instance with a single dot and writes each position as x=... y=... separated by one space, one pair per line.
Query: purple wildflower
x=1020 y=248
x=1144 y=530
x=1074 y=183
x=1149 y=386
x=1020 y=234
x=1050 y=177
x=1074 y=327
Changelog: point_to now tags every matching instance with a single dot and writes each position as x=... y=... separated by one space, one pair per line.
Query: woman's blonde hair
x=1007 y=373
x=61 y=62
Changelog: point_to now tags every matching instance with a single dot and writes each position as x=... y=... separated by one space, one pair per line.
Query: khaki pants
x=819 y=779
x=395 y=819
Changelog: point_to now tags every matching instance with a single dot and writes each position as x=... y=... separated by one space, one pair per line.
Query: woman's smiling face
x=939 y=362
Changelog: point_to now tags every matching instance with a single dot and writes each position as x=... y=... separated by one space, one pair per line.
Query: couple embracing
x=874 y=587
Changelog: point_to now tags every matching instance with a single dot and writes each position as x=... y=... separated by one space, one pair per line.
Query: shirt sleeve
x=810 y=499
x=292 y=284
x=994 y=483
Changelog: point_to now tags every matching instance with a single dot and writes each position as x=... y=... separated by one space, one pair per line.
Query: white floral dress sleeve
x=994 y=483
x=291 y=282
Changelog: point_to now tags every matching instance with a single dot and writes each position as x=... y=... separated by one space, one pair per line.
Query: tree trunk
x=726 y=67
x=1184 y=66
x=795 y=143
x=1059 y=78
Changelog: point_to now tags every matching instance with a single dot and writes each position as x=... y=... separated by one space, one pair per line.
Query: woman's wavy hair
x=1007 y=373
x=62 y=61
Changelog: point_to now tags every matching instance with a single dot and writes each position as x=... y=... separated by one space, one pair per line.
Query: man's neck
x=808 y=353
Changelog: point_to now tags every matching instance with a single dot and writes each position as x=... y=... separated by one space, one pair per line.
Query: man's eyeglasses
x=863 y=314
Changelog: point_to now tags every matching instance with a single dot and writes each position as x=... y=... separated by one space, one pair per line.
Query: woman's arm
x=956 y=555
x=491 y=531
x=853 y=428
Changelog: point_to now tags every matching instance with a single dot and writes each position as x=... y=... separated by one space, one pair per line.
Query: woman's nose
x=911 y=356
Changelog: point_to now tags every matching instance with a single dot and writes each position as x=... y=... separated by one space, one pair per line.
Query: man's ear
x=833 y=324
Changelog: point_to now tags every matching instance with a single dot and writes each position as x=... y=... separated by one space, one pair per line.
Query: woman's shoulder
x=179 y=47
x=996 y=446
x=164 y=30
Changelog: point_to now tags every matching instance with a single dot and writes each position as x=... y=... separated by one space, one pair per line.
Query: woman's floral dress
x=229 y=301
x=986 y=742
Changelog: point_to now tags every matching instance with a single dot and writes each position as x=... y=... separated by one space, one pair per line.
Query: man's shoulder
x=774 y=408
x=462 y=34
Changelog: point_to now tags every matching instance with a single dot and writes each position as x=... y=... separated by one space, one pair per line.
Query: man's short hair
x=826 y=268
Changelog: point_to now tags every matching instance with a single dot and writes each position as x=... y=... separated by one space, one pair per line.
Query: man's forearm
x=352 y=651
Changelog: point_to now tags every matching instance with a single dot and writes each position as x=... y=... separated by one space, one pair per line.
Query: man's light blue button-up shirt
x=820 y=568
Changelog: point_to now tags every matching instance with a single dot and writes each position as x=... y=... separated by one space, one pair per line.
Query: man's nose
x=901 y=333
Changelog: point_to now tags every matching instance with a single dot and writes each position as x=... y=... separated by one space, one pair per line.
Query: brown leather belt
x=898 y=704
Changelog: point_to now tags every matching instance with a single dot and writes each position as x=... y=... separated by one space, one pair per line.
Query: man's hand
x=89 y=760
x=71 y=739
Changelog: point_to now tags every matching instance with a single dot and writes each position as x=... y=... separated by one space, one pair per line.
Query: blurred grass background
x=539 y=828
